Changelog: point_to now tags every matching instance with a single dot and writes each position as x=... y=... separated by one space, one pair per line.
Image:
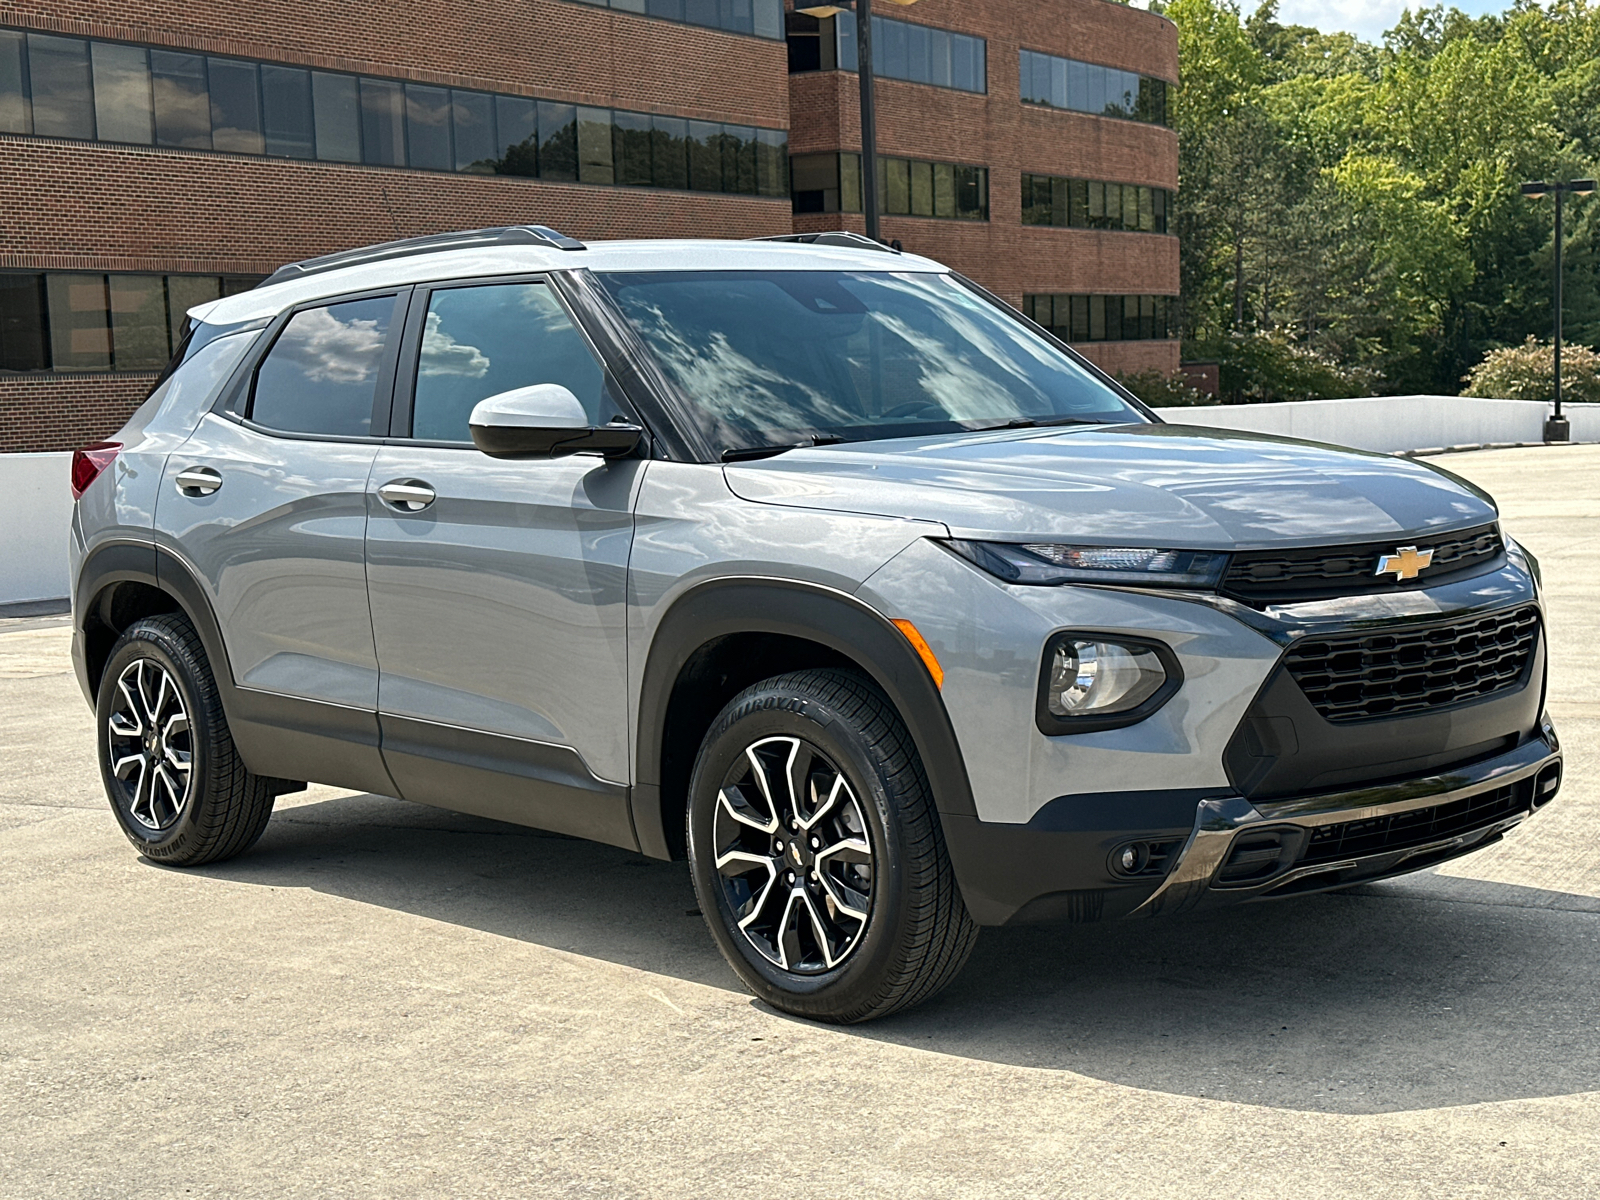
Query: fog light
x=1128 y=860
x=1090 y=681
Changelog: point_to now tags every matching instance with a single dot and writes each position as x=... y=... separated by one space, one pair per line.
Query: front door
x=498 y=588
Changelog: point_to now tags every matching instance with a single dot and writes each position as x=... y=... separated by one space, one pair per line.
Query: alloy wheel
x=794 y=855
x=151 y=744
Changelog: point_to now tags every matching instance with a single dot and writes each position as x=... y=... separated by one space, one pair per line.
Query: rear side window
x=321 y=375
x=480 y=341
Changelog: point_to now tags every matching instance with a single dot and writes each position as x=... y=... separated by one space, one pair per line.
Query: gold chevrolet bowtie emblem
x=1405 y=563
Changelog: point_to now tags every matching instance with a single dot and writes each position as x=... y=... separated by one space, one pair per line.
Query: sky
x=1366 y=19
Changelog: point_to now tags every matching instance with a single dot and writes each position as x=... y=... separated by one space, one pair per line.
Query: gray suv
x=807 y=560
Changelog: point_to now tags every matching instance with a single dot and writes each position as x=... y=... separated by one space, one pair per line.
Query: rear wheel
x=171 y=772
x=817 y=854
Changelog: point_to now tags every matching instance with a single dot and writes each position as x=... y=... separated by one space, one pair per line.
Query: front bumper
x=1235 y=850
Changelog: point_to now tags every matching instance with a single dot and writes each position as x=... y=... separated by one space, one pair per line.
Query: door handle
x=198 y=481
x=407 y=495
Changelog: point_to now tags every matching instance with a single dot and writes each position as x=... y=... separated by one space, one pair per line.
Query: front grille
x=1362 y=677
x=1262 y=577
x=1402 y=831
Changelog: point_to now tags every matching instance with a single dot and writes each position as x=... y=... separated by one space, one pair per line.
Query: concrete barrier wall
x=1394 y=423
x=36 y=503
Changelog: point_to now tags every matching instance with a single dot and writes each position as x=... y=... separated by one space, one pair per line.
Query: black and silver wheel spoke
x=150 y=743
x=794 y=855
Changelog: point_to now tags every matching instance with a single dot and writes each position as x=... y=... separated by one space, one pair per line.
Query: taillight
x=89 y=462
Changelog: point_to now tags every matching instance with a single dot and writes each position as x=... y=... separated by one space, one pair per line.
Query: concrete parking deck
x=385 y=1000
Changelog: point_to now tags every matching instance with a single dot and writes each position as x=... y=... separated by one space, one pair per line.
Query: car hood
x=1173 y=486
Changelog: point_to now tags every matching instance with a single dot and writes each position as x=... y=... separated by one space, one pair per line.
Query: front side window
x=321 y=375
x=772 y=357
x=480 y=341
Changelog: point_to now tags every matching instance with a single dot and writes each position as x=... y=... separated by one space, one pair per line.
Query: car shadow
x=1419 y=993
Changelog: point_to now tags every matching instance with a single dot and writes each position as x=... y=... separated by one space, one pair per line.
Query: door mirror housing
x=546 y=421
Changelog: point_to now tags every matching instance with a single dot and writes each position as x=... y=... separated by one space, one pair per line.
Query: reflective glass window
x=321 y=374
x=705 y=156
x=58 y=70
x=121 y=93
x=472 y=131
x=383 y=124
x=630 y=153
x=669 y=152
x=428 y=128
x=182 y=102
x=22 y=323
x=235 y=106
x=286 y=122
x=139 y=327
x=80 y=338
x=480 y=341
x=771 y=162
x=517 y=136
x=15 y=113
x=338 y=117
x=558 y=141
x=595 y=162
x=739 y=160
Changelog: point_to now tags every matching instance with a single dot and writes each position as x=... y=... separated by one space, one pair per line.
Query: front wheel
x=817 y=854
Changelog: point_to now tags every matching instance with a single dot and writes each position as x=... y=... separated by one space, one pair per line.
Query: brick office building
x=157 y=155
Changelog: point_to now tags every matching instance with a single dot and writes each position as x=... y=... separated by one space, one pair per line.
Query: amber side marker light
x=924 y=651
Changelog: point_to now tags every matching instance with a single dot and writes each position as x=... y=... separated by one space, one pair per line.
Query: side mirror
x=545 y=421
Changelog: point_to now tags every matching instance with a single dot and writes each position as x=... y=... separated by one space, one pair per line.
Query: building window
x=1090 y=88
x=1102 y=318
x=1091 y=204
x=761 y=18
x=86 y=321
x=135 y=95
x=829 y=183
x=900 y=50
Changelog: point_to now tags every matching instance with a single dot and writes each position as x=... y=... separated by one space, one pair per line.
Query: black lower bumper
x=1195 y=848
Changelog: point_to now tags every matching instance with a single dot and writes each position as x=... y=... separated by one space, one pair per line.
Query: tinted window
x=138 y=322
x=321 y=373
x=14 y=115
x=338 y=119
x=59 y=68
x=22 y=304
x=235 y=106
x=121 y=92
x=768 y=357
x=286 y=111
x=480 y=341
x=183 y=107
x=80 y=338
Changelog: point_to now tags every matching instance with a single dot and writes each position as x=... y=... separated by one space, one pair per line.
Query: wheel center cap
x=799 y=853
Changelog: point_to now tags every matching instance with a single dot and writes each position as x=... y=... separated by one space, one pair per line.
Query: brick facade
x=83 y=206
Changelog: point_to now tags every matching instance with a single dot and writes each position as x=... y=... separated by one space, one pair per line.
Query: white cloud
x=326 y=348
x=443 y=355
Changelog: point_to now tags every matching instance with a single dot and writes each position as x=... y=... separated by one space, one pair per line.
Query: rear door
x=498 y=588
x=266 y=503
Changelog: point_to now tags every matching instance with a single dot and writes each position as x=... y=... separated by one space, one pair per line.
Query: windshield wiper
x=1036 y=423
x=746 y=453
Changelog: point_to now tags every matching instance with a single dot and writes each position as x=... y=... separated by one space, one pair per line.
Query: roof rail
x=835 y=237
x=466 y=239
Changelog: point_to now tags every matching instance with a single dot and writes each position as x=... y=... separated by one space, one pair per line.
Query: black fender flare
x=819 y=614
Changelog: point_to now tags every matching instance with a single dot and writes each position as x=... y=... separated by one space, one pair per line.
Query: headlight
x=1091 y=682
x=1051 y=563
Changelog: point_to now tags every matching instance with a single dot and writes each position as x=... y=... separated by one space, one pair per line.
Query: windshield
x=778 y=357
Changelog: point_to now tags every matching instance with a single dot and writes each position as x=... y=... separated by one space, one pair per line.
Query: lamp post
x=869 y=120
x=1557 y=428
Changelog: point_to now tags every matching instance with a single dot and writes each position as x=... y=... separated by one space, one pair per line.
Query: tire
x=857 y=917
x=170 y=769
